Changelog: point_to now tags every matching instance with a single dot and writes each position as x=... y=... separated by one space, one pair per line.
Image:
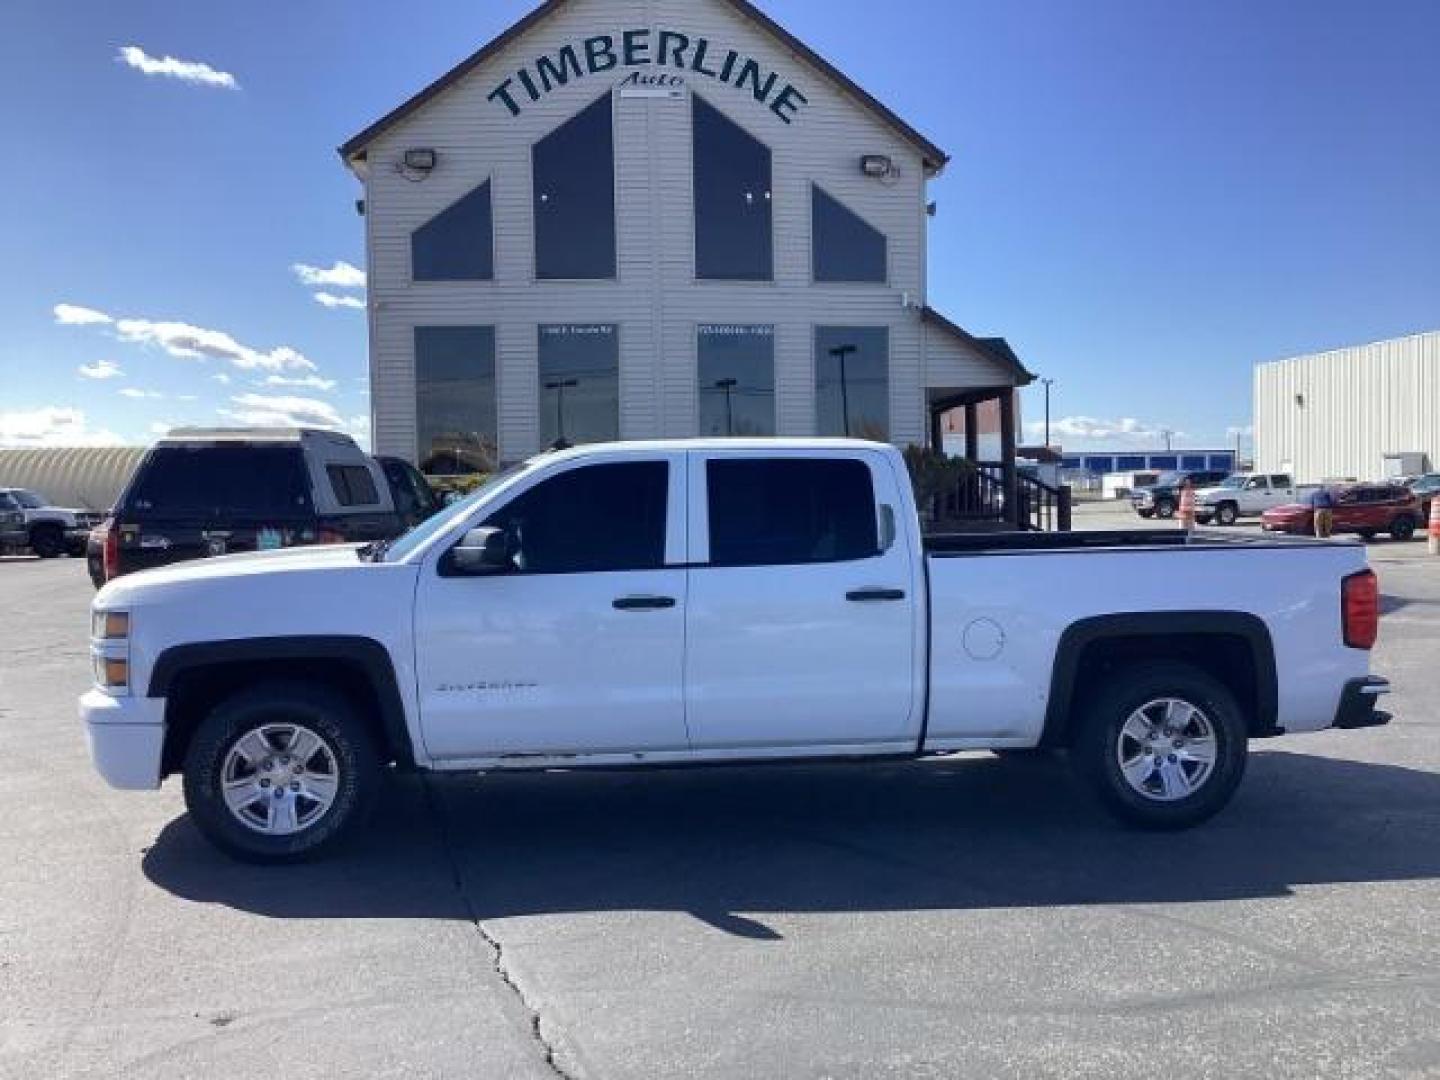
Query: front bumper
x=1357 y=704
x=127 y=738
x=13 y=536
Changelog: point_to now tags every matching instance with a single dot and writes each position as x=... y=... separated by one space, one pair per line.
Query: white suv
x=1243 y=495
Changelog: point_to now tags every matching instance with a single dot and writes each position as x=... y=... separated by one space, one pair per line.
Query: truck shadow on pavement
x=951 y=835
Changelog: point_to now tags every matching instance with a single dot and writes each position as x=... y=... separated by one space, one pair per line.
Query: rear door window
x=353 y=485
x=790 y=511
x=219 y=483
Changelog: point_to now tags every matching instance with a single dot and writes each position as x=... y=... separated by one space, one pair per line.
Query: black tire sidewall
x=325 y=713
x=1094 y=746
x=47 y=541
x=1164 y=509
x=1403 y=528
x=1226 y=514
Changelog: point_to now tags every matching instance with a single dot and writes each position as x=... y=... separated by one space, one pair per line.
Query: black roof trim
x=935 y=158
x=996 y=348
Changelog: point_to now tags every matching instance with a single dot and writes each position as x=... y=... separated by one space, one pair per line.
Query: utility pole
x=560 y=386
x=841 y=352
x=728 y=385
x=1047 y=383
x=1168 y=436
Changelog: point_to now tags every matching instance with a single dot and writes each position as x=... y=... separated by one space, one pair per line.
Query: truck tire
x=1163 y=745
x=1147 y=514
x=47 y=540
x=1402 y=528
x=1227 y=513
x=1164 y=508
x=280 y=773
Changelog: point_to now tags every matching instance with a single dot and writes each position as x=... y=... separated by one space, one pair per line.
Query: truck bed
x=943 y=545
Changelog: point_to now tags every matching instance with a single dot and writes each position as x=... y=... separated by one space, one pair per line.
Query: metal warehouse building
x=654 y=218
x=1366 y=412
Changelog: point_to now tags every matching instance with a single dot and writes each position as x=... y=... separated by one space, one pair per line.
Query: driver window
x=594 y=519
x=1254 y=483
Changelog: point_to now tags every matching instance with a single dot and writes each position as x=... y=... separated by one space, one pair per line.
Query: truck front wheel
x=47 y=541
x=280 y=773
x=1227 y=514
x=1163 y=745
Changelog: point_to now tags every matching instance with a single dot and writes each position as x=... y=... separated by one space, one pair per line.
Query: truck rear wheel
x=1402 y=528
x=1163 y=745
x=280 y=773
x=1227 y=514
x=1164 y=508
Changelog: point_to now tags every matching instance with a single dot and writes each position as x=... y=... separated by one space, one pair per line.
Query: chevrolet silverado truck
x=735 y=601
x=50 y=531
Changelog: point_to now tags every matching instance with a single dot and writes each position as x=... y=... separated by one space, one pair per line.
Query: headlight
x=110 y=625
x=110 y=650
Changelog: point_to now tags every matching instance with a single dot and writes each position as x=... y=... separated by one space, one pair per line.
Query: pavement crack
x=535 y=1021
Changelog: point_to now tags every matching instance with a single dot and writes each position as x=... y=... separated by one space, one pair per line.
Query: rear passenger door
x=804 y=612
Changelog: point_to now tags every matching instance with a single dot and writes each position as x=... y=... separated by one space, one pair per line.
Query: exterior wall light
x=420 y=160
x=877 y=166
x=1300 y=400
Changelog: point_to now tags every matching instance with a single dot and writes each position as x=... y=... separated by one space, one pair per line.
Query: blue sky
x=1146 y=197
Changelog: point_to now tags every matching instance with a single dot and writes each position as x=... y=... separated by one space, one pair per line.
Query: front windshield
x=1236 y=481
x=1169 y=479
x=421 y=534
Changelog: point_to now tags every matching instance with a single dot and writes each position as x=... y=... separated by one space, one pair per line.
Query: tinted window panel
x=845 y=247
x=1163 y=461
x=732 y=200
x=231 y=483
x=574 y=168
x=1131 y=463
x=599 y=518
x=1193 y=461
x=1222 y=462
x=852 y=381
x=737 y=380
x=789 y=511
x=579 y=384
x=353 y=485
x=455 y=399
x=457 y=244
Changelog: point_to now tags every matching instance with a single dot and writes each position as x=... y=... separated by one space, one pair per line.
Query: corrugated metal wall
x=88 y=478
x=1337 y=414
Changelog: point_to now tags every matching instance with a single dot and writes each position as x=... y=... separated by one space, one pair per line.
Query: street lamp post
x=728 y=385
x=841 y=353
x=1047 y=383
x=560 y=386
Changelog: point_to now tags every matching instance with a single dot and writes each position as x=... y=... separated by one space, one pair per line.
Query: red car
x=1367 y=509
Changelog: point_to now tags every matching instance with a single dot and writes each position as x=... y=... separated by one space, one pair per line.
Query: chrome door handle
x=644 y=603
x=871 y=596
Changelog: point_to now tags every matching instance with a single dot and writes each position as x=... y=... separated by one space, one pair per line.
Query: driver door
x=579 y=649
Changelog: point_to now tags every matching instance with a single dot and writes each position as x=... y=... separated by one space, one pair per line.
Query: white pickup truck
x=719 y=602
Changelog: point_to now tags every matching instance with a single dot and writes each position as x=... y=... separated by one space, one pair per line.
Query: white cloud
x=189 y=342
x=101 y=369
x=221 y=378
x=340 y=276
x=309 y=382
x=137 y=394
x=358 y=428
x=74 y=315
x=264 y=410
x=1126 y=431
x=52 y=425
x=190 y=71
x=161 y=427
x=330 y=300
x=186 y=397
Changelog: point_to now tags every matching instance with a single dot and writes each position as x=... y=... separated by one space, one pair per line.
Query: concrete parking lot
x=974 y=917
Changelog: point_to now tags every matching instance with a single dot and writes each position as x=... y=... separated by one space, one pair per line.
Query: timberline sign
x=657 y=49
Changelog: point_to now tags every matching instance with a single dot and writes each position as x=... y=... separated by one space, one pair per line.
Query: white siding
x=656 y=300
x=1359 y=404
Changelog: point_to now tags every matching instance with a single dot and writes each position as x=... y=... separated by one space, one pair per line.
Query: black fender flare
x=1078 y=636
x=366 y=653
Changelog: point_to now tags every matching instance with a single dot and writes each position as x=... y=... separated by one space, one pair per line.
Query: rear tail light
x=329 y=536
x=1360 y=609
x=111 y=550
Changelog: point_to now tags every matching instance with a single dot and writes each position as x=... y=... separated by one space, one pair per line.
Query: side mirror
x=482 y=551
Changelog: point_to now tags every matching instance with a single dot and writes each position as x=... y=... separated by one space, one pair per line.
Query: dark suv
x=1162 y=499
x=201 y=493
